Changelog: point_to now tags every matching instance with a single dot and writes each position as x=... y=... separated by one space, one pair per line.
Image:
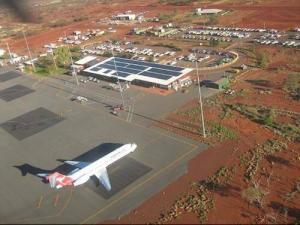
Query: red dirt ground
x=230 y=207
x=278 y=14
x=274 y=14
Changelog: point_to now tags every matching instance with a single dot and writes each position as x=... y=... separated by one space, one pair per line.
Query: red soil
x=230 y=207
x=278 y=14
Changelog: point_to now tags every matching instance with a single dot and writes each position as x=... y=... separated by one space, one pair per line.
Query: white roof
x=2 y=52
x=138 y=74
x=86 y=60
x=208 y=11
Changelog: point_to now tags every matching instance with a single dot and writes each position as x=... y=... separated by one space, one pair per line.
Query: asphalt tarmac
x=42 y=129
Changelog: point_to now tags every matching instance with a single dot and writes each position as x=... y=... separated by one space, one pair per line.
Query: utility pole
x=32 y=63
x=74 y=73
x=9 y=52
x=200 y=98
x=54 y=61
x=121 y=91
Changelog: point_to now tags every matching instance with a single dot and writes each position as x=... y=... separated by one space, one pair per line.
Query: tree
x=62 y=57
x=254 y=195
x=46 y=63
x=262 y=60
x=213 y=20
x=213 y=43
x=270 y=118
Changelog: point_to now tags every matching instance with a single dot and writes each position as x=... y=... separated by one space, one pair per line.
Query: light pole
x=53 y=58
x=200 y=99
x=9 y=52
x=121 y=91
x=32 y=63
x=74 y=73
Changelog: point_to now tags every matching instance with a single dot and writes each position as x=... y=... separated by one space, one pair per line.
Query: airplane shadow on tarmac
x=121 y=173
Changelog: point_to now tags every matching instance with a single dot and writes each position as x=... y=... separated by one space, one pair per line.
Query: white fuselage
x=103 y=162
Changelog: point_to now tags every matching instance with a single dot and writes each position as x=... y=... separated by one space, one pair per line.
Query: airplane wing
x=77 y=164
x=103 y=178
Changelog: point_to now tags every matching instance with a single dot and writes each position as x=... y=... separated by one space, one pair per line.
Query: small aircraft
x=85 y=170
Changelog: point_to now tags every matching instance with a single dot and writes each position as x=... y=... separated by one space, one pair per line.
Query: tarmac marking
x=56 y=200
x=67 y=202
x=40 y=202
x=137 y=186
x=40 y=80
x=132 y=110
x=129 y=110
x=130 y=113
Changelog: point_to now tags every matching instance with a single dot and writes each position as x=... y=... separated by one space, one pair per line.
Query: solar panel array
x=123 y=68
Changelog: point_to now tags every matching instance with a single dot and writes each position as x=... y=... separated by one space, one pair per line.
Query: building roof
x=2 y=52
x=208 y=11
x=85 y=60
x=129 y=70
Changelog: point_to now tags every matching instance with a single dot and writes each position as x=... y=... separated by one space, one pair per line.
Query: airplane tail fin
x=57 y=180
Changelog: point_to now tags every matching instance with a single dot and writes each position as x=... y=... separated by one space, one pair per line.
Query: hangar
x=137 y=72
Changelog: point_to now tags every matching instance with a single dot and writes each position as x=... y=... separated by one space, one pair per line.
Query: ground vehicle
x=80 y=99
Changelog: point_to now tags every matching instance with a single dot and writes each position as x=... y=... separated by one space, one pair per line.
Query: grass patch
x=267 y=117
x=221 y=132
x=226 y=112
x=254 y=195
x=252 y=159
x=292 y=85
x=171 y=46
x=200 y=199
x=41 y=71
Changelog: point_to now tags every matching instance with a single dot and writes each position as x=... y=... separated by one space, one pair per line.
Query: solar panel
x=155 y=75
x=111 y=63
x=149 y=64
x=141 y=68
x=95 y=69
x=106 y=67
x=123 y=68
x=167 y=72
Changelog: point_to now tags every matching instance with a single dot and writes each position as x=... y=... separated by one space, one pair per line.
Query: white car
x=81 y=99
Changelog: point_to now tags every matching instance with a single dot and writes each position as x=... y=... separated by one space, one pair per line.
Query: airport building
x=147 y=74
x=125 y=16
x=200 y=11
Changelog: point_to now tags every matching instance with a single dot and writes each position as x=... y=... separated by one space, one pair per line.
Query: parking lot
x=40 y=127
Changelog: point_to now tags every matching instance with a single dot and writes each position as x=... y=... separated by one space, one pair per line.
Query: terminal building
x=137 y=72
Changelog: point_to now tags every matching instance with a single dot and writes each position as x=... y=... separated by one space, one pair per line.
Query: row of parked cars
x=288 y=43
x=211 y=52
x=208 y=38
x=232 y=34
x=105 y=47
x=273 y=31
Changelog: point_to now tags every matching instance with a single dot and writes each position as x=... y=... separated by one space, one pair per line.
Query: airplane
x=85 y=170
